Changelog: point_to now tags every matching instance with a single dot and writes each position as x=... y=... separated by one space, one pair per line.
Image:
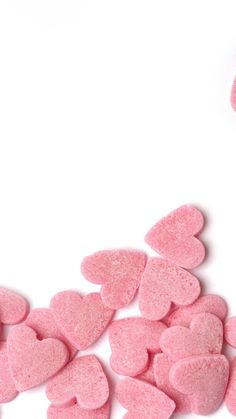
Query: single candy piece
x=230 y=331
x=162 y=284
x=74 y=411
x=32 y=362
x=44 y=324
x=13 y=307
x=230 y=397
x=204 y=378
x=148 y=374
x=83 y=379
x=206 y=304
x=161 y=368
x=233 y=96
x=204 y=337
x=130 y=341
x=81 y=320
x=7 y=386
x=173 y=237
x=119 y=272
x=143 y=401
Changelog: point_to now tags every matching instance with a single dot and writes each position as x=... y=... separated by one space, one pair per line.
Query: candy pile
x=171 y=354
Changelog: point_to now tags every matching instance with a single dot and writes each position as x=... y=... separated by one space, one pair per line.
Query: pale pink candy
x=206 y=304
x=163 y=284
x=173 y=237
x=74 y=411
x=83 y=379
x=143 y=401
x=204 y=378
x=81 y=320
x=119 y=272
x=13 y=307
x=44 y=324
x=233 y=96
x=230 y=397
x=32 y=362
x=7 y=386
x=130 y=340
x=204 y=337
x=161 y=367
x=148 y=374
x=230 y=331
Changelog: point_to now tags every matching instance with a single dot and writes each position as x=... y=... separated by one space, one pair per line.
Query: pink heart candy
x=74 y=411
x=83 y=379
x=32 y=362
x=7 y=386
x=130 y=341
x=230 y=396
x=81 y=320
x=143 y=401
x=161 y=368
x=119 y=272
x=233 y=96
x=206 y=304
x=204 y=378
x=163 y=284
x=204 y=337
x=44 y=324
x=13 y=307
x=173 y=237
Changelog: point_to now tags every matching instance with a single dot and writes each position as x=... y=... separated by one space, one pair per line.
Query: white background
x=112 y=113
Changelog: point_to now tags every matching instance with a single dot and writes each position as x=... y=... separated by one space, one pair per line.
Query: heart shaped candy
x=162 y=284
x=161 y=368
x=233 y=95
x=83 y=379
x=130 y=341
x=7 y=386
x=81 y=320
x=32 y=362
x=74 y=411
x=173 y=237
x=143 y=401
x=204 y=378
x=204 y=337
x=119 y=272
x=44 y=324
x=206 y=304
x=13 y=307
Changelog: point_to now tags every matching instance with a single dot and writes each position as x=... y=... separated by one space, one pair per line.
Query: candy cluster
x=172 y=355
